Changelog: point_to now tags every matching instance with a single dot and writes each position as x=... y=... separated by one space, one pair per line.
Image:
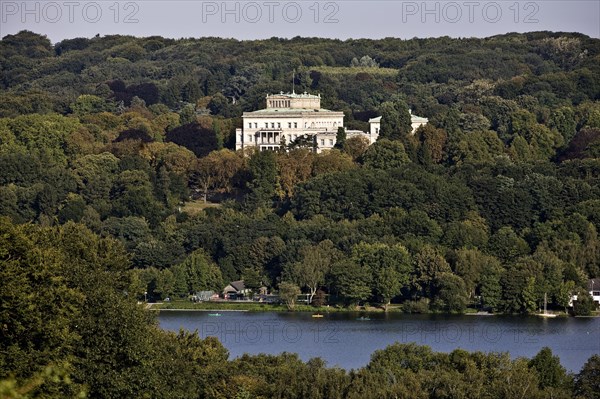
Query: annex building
x=290 y=116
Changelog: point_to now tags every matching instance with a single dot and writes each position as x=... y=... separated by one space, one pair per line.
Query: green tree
x=490 y=288
x=587 y=381
x=365 y=62
x=451 y=293
x=468 y=265
x=388 y=284
x=472 y=233
x=263 y=180
x=518 y=290
x=110 y=341
x=73 y=209
x=288 y=292
x=294 y=167
x=429 y=266
x=320 y=299
x=356 y=146
x=507 y=245
x=187 y=114
x=252 y=279
x=584 y=304
x=563 y=120
x=390 y=265
x=95 y=174
x=529 y=297
x=395 y=120
x=87 y=104
x=201 y=274
x=133 y=195
x=37 y=329
x=432 y=144
x=352 y=281
x=566 y=290
x=475 y=147
x=340 y=138
x=331 y=161
x=385 y=154
x=551 y=373
x=314 y=265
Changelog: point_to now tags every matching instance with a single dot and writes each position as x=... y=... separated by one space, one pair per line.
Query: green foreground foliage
x=70 y=328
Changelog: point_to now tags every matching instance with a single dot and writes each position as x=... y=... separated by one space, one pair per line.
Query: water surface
x=344 y=340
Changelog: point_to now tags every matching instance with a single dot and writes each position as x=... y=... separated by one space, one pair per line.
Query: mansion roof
x=413 y=119
x=294 y=95
x=289 y=111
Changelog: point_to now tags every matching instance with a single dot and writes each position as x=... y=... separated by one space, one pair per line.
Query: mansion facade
x=290 y=116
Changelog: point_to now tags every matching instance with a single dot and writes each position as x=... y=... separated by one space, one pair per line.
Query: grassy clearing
x=355 y=70
x=195 y=207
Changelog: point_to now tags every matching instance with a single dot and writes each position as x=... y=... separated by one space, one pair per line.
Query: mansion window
x=331 y=142
x=278 y=125
x=256 y=125
x=250 y=125
x=250 y=138
x=272 y=125
x=267 y=125
x=295 y=125
x=322 y=141
x=289 y=125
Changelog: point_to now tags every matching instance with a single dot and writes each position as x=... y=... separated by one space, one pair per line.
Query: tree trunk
x=205 y=195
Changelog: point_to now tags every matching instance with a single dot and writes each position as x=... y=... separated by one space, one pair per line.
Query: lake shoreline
x=259 y=308
x=198 y=310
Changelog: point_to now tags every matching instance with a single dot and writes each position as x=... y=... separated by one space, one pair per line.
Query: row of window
x=280 y=103
x=295 y=124
x=290 y=124
x=290 y=138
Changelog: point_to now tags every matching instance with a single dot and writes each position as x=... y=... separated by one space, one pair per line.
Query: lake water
x=342 y=339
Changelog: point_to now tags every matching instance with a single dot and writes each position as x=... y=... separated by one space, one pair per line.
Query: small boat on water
x=363 y=318
x=214 y=314
x=317 y=315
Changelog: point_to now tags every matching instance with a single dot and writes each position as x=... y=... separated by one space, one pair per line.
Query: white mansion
x=290 y=116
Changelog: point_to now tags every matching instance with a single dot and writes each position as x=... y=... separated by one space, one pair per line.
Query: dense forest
x=70 y=330
x=110 y=146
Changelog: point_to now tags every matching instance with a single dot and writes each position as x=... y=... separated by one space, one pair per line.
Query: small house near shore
x=593 y=287
x=235 y=290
